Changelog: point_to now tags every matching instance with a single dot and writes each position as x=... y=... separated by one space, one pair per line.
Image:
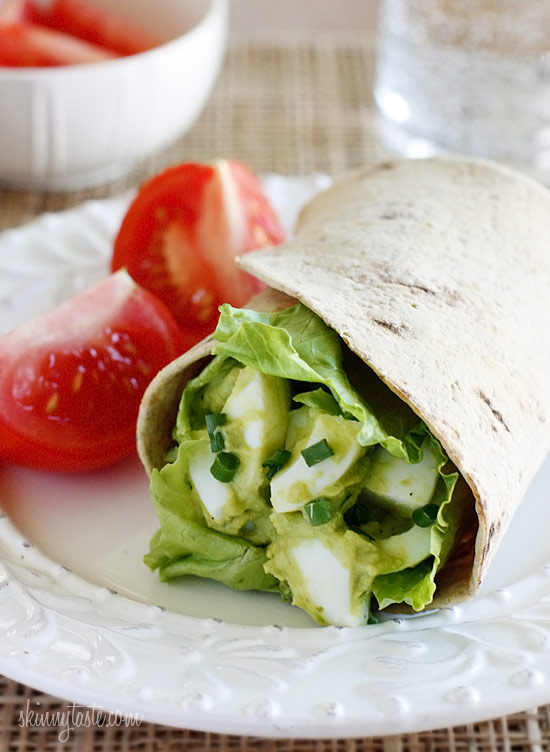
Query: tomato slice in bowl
x=182 y=232
x=71 y=381
x=104 y=27
x=30 y=45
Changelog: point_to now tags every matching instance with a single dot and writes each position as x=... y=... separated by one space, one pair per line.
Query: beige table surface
x=293 y=107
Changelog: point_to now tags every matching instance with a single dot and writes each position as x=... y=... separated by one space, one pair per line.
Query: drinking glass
x=467 y=76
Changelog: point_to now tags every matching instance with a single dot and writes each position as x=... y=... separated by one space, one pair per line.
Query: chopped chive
x=271 y=471
x=317 y=452
x=274 y=463
x=214 y=420
x=217 y=442
x=318 y=511
x=225 y=466
x=426 y=515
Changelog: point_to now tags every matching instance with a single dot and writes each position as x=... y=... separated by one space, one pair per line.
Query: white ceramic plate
x=82 y=618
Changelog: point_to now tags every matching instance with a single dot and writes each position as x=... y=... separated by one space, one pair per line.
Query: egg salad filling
x=296 y=470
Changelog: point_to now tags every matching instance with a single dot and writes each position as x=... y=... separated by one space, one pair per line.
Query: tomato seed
x=77 y=381
x=52 y=403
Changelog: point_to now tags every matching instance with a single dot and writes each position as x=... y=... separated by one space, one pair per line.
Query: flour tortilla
x=436 y=273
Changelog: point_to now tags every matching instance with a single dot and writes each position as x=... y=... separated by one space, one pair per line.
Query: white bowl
x=75 y=126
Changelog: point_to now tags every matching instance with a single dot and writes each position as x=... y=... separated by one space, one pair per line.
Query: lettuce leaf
x=320 y=400
x=185 y=544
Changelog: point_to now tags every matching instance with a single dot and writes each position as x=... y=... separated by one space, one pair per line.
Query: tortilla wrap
x=436 y=274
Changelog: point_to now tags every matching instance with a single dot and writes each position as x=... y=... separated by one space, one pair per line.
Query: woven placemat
x=293 y=108
x=522 y=732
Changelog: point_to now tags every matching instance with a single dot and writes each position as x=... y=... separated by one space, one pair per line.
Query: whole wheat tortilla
x=436 y=273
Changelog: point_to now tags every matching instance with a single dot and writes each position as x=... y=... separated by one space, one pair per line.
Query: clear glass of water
x=467 y=76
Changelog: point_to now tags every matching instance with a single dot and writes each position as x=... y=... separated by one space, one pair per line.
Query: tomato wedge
x=71 y=381
x=182 y=232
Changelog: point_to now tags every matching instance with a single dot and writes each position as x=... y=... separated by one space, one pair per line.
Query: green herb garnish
x=225 y=466
x=274 y=463
x=426 y=515
x=217 y=442
x=213 y=422
x=317 y=452
x=318 y=511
